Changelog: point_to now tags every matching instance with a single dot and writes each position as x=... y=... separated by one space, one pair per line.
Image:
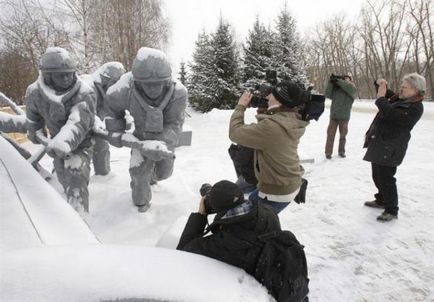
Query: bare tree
x=26 y=30
x=134 y=24
x=421 y=13
x=82 y=12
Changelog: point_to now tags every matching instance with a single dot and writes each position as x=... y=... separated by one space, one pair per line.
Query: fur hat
x=417 y=81
x=290 y=94
x=225 y=195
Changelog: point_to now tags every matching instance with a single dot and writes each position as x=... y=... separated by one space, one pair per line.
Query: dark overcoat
x=227 y=242
x=387 y=138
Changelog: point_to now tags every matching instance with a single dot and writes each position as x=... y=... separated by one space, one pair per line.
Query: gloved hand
x=153 y=149
x=58 y=148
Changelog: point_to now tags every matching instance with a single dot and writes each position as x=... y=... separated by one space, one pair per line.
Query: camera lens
x=205 y=189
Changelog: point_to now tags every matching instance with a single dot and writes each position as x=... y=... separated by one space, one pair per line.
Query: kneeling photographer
x=275 y=139
x=234 y=217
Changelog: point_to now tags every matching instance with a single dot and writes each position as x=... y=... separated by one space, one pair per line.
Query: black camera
x=260 y=93
x=204 y=191
x=262 y=90
x=335 y=77
x=312 y=107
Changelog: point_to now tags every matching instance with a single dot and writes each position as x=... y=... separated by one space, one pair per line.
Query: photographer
x=234 y=217
x=275 y=140
x=342 y=92
x=388 y=136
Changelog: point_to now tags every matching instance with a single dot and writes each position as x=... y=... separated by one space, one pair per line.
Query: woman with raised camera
x=388 y=136
x=275 y=139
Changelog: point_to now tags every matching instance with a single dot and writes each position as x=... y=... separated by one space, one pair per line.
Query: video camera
x=261 y=91
x=335 y=77
x=312 y=104
x=312 y=107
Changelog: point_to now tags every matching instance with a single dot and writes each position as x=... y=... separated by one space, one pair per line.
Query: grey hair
x=417 y=81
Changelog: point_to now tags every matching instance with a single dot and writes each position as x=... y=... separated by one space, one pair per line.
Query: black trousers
x=385 y=181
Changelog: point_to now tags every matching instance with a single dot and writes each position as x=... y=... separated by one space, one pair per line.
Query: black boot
x=375 y=204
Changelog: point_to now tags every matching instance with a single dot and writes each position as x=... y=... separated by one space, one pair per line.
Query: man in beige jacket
x=275 y=138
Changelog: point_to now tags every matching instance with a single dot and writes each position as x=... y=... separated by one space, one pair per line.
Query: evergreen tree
x=182 y=73
x=258 y=53
x=202 y=78
x=288 y=51
x=226 y=64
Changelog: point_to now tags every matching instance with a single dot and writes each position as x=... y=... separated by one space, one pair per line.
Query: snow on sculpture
x=62 y=103
x=157 y=104
x=100 y=81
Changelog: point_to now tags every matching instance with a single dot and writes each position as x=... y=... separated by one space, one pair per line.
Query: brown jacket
x=275 y=139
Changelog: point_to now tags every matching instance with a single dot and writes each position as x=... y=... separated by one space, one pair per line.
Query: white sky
x=189 y=17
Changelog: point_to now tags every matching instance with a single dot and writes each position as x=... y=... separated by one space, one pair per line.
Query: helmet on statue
x=151 y=65
x=56 y=59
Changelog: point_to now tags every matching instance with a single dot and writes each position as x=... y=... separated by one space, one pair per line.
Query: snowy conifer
x=288 y=51
x=226 y=64
x=182 y=73
x=258 y=53
x=202 y=76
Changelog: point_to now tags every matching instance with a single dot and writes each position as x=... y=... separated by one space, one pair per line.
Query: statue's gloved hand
x=58 y=148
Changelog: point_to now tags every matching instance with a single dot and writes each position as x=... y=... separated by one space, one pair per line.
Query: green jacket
x=275 y=139
x=342 y=94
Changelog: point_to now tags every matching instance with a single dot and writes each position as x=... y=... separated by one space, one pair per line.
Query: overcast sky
x=189 y=17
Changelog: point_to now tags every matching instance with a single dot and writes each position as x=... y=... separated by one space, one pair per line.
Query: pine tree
x=288 y=51
x=182 y=73
x=202 y=77
x=226 y=64
x=258 y=54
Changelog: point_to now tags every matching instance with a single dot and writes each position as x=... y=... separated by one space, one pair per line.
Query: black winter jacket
x=242 y=157
x=227 y=243
x=388 y=136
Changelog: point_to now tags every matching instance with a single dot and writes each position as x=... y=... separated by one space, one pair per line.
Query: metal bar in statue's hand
x=153 y=149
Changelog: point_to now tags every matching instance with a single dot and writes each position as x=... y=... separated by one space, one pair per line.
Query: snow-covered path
x=351 y=256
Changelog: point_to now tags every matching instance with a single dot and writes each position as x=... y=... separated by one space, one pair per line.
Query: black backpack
x=282 y=266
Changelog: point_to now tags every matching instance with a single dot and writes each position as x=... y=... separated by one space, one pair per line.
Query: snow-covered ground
x=351 y=256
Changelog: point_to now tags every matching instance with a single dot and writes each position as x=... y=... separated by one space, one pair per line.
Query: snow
x=49 y=92
x=102 y=70
x=123 y=82
x=50 y=215
x=146 y=52
x=16 y=121
x=351 y=256
x=123 y=273
x=63 y=52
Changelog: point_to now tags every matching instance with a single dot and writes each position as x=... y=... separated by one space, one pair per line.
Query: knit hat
x=225 y=195
x=290 y=94
x=417 y=81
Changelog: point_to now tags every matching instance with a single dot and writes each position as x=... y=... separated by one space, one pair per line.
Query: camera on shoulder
x=311 y=105
x=335 y=77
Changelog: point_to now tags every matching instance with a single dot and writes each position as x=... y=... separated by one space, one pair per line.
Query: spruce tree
x=288 y=51
x=226 y=64
x=202 y=78
x=182 y=73
x=258 y=53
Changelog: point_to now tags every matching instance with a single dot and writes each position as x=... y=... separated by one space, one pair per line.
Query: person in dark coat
x=234 y=217
x=387 y=138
